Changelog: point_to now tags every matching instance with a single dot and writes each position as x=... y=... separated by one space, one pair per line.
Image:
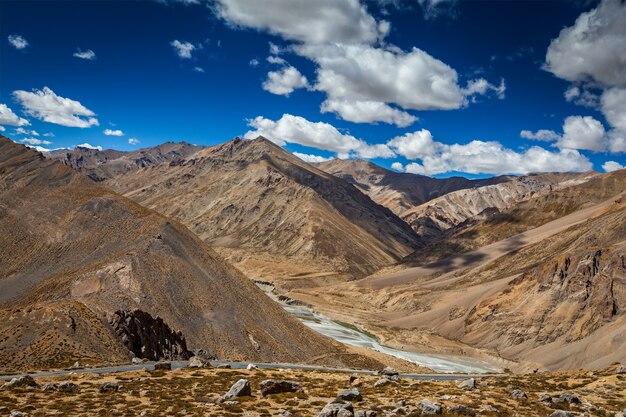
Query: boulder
x=251 y=367
x=427 y=407
x=351 y=394
x=621 y=369
x=383 y=381
x=518 y=394
x=137 y=361
x=562 y=413
x=566 y=398
x=24 y=381
x=198 y=362
x=18 y=414
x=275 y=386
x=163 y=366
x=388 y=371
x=468 y=383
x=461 y=409
x=109 y=387
x=224 y=366
x=67 y=387
x=368 y=413
x=337 y=408
x=240 y=388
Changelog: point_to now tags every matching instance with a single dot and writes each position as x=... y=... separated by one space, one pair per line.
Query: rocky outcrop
x=275 y=386
x=148 y=337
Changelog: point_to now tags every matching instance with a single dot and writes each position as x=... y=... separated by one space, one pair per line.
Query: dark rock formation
x=149 y=337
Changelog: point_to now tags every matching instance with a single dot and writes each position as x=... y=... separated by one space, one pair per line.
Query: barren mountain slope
x=271 y=212
x=71 y=247
x=484 y=230
x=554 y=296
x=399 y=192
x=101 y=165
x=442 y=213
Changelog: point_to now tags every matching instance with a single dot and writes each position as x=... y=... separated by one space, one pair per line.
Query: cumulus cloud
x=479 y=157
x=363 y=82
x=542 y=134
x=47 y=106
x=183 y=49
x=320 y=135
x=593 y=48
x=133 y=141
x=110 y=132
x=613 y=105
x=610 y=166
x=254 y=62
x=35 y=141
x=7 y=117
x=198 y=69
x=284 y=81
x=18 y=42
x=583 y=132
x=88 y=54
x=311 y=158
x=89 y=146
x=397 y=166
x=313 y=22
x=22 y=131
x=414 y=145
x=367 y=112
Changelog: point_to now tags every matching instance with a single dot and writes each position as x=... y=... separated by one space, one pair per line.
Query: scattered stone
x=462 y=410
x=383 y=381
x=401 y=403
x=198 y=362
x=109 y=387
x=468 y=383
x=562 y=413
x=137 y=361
x=351 y=394
x=337 y=408
x=566 y=398
x=275 y=386
x=77 y=365
x=18 y=414
x=518 y=394
x=68 y=387
x=621 y=369
x=240 y=388
x=546 y=399
x=429 y=407
x=163 y=366
x=284 y=413
x=251 y=367
x=224 y=366
x=388 y=371
x=24 y=381
x=488 y=409
x=368 y=413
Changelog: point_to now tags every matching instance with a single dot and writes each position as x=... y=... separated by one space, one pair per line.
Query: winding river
x=352 y=336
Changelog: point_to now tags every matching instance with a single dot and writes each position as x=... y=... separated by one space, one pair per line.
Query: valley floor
x=196 y=392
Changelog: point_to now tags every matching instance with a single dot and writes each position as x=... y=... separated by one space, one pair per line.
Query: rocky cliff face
x=148 y=337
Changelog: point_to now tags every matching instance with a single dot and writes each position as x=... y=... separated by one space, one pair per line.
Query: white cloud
x=313 y=22
x=183 y=49
x=18 y=42
x=609 y=166
x=49 y=135
x=479 y=157
x=276 y=60
x=89 y=146
x=583 y=133
x=613 y=105
x=254 y=62
x=311 y=158
x=298 y=130
x=47 y=106
x=593 y=48
x=7 y=117
x=434 y=8
x=110 y=132
x=285 y=81
x=22 y=131
x=414 y=145
x=133 y=141
x=198 y=69
x=397 y=166
x=2 y=128
x=34 y=141
x=88 y=54
x=481 y=86
x=367 y=112
x=542 y=134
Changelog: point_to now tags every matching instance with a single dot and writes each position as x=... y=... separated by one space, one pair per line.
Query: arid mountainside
x=552 y=296
x=101 y=165
x=271 y=213
x=442 y=213
x=75 y=253
x=565 y=198
x=399 y=192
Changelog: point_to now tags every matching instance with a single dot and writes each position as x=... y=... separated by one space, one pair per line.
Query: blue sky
x=435 y=87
